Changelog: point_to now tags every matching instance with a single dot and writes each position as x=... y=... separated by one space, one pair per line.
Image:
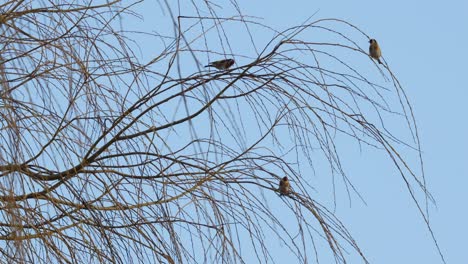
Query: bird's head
x=372 y=41
x=285 y=178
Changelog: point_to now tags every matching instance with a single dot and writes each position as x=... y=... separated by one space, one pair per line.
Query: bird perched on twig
x=221 y=64
x=284 y=186
x=374 y=50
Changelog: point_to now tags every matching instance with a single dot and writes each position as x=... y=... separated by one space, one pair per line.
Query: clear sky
x=424 y=44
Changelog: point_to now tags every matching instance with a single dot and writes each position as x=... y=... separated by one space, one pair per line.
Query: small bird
x=284 y=186
x=221 y=64
x=374 y=50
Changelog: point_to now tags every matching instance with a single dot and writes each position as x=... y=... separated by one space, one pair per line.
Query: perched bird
x=374 y=50
x=221 y=64
x=284 y=186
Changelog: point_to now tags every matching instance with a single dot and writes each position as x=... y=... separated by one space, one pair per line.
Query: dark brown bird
x=374 y=50
x=221 y=64
x=284 y=186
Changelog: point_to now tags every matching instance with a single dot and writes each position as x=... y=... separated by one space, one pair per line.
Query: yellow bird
x=284 y=186
x=374 y=50
x=221 y=64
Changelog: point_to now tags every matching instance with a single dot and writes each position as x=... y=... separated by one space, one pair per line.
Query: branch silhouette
x=113 y=152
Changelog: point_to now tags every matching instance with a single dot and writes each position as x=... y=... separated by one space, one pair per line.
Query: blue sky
x=423 y=44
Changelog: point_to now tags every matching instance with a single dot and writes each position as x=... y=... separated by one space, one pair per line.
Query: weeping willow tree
x=118 y=146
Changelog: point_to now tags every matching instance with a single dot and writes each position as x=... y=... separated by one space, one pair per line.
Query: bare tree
x=108 y=155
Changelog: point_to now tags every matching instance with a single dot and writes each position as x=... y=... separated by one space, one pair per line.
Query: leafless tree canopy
x=118 y=146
